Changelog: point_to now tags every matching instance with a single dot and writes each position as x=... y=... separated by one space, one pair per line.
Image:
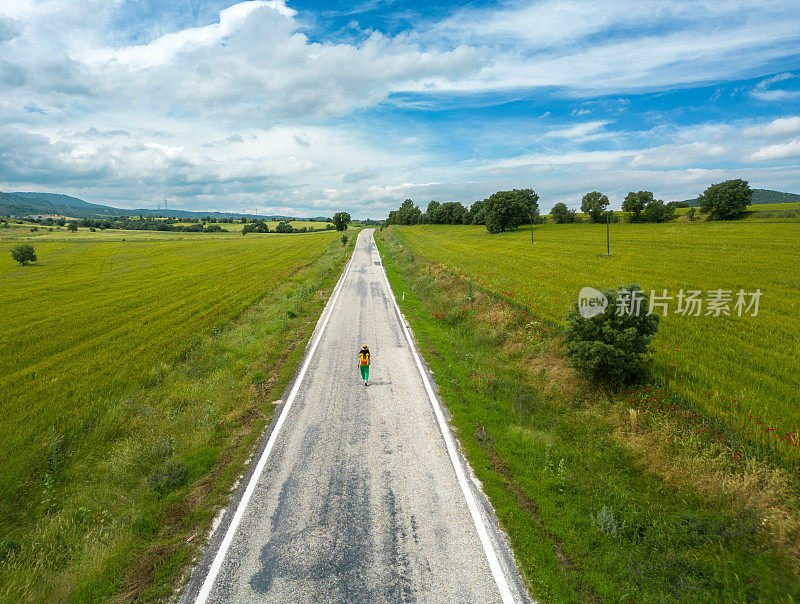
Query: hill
x=761 y=196
x=29 y=203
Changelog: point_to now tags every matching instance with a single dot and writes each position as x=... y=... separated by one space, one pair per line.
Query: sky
x=307 y=108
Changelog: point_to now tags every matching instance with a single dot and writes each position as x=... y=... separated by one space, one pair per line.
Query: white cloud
x=244 y=111
x=782 y=126
x=584 y=131
x=764 y=93
x=779 y=151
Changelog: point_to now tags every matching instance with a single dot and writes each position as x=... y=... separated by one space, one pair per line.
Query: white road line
x=205 y=590
x=483 y=534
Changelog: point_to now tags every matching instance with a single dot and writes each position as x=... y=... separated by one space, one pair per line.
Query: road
x=358 y=498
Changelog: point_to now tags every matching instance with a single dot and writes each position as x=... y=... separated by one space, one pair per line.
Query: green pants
x=364 y=372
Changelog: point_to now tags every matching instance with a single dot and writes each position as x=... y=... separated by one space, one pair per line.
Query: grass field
x=236 y=227
x=119 y=354
x=603 y=499
x=741 y=369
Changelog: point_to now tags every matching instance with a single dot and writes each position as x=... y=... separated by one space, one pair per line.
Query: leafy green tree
x=451 y=212
x=345 y=238
x=657 y=211
x=407 y=213
x=635 y=204
x=560 y=214
x=431 y=213
x=609 y=347
x=72 y=226
x=341 y=220
x=477 y=214
x=594 y=204
x=726 y=200
x=690 y=214
x=506 y=210
x=285 y=227
x=23 y=253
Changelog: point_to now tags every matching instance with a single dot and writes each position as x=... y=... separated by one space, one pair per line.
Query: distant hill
x=761 y=196
x=27 y=203
x=57 y=199
x=17 y=205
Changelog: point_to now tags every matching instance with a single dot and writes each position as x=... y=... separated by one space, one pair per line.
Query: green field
x=636 y=495
x=712 y=360
x=237 y=226
x=119 y=355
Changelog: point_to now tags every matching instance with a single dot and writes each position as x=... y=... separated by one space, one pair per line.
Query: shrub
x=344 y=239
x=23 y=253
x=609 y=347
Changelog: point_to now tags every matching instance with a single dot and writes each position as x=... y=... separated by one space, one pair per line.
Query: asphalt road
x=359 y=498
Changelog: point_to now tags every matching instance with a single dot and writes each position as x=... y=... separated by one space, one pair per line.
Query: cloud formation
x=247 y=109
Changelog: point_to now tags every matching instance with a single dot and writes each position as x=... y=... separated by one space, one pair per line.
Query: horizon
x=299 y=109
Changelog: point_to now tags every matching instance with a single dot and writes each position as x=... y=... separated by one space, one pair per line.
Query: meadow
x=236 y=227
x=636 y=495
x=122 y=355
x=742 y=369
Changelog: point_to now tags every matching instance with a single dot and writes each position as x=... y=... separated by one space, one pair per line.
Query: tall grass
x=130 y=371
x=604 y=497
x=741 y=369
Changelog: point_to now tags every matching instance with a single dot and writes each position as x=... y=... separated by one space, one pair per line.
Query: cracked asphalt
x=359 y=500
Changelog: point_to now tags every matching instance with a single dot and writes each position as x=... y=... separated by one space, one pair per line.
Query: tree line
x=507 y=210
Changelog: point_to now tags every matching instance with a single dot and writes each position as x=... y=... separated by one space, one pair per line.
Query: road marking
x=483 y=534
x=216 y=565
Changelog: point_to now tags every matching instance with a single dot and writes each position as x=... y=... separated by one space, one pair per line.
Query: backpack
x=363 y=357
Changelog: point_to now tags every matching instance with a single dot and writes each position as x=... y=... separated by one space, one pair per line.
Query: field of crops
x=743 y=369
x=98 y=312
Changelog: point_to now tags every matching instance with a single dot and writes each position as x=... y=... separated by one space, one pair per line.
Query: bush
x=344 y=239
x=23 y=253
x=609 y=347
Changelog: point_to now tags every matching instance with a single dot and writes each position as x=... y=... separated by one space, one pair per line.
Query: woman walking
x=363 y=363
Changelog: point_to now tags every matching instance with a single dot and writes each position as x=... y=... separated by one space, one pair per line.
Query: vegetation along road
x=359 y=493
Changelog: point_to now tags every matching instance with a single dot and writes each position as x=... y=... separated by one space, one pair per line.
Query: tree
x=451 y=212
x=609 y=347
x=430 y=215
x=506 y=210
x=594 y=204
x=345 y=239
x=341 y=220
x=560 y=214
x=477 y=213
x=690 y=214
x=72 y=226
x=658 y=211
x=407 y=213
x=635 y=203
x=23 y=254
x=726 y=200
x=285 y=227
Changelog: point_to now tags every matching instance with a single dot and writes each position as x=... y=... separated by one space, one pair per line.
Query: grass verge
x=129 y=492
x=602 y=499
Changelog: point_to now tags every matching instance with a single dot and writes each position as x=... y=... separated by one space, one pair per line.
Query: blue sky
x=309 y=108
